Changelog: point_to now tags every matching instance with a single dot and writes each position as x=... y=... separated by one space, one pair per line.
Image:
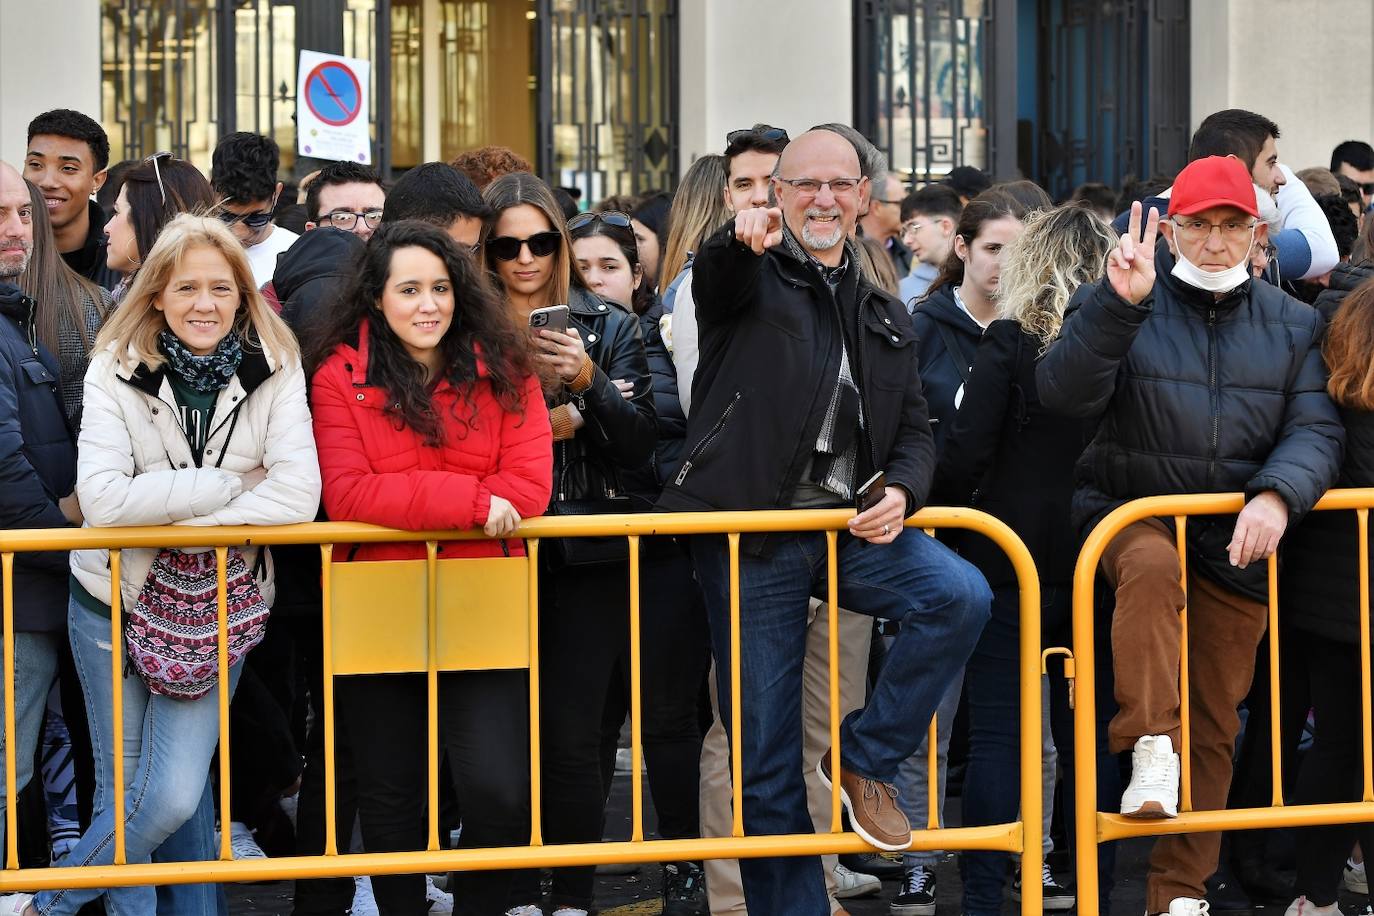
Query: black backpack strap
x=952 y=345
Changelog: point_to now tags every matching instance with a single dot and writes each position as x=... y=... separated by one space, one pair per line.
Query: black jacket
x=89 y=259
x=1320 y=585
x=671 y=421
x=619 y=435
x=37 y=462
x=770 y=333
x=935 y=318
x=1196 y=396
x=1009 y=456
x=1344 y=279
x=310 y=275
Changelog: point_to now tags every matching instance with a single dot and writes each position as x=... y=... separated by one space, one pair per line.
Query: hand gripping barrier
x=496 y=626
x=1094 y=827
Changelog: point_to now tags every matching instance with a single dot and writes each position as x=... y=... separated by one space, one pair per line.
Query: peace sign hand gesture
x=1131 y=265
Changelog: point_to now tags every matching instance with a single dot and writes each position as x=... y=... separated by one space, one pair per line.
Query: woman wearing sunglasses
x=600 y=436
x=153 y=192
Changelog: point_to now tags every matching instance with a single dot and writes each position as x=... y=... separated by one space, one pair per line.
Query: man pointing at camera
x=806 y=390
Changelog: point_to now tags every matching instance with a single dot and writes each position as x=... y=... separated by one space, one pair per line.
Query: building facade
x=618 y=96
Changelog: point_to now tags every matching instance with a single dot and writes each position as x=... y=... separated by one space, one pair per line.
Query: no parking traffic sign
x=331 y=107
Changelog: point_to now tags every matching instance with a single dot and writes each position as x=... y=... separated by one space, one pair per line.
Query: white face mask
x=1221 y=281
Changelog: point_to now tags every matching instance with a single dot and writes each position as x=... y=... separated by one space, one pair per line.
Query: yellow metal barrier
x=416 y=636
x=1094 y=827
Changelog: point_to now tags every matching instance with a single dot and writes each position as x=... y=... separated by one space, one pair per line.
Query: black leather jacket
x=619 y=434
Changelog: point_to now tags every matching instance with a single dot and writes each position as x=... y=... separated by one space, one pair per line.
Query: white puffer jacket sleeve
x=291 y=491
x=109 y=490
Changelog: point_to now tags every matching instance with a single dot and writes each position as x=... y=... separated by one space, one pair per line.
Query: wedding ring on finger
x=887 y=529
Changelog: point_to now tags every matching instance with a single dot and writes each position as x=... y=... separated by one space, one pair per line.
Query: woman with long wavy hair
x=1010 y=457
x=429 y=416
x=600 y=403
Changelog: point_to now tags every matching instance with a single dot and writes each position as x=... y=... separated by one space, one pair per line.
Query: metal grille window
x=921 y=81
x=608 y=94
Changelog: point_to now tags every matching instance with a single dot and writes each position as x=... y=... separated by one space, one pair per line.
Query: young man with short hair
x=1204 y=381
x=347 y=196
x=439 y=194
x=66 y=156
x=1355 y=160
x=929 y=216
x=243 y=170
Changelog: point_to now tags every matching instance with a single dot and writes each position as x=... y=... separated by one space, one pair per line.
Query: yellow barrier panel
x=354 y=643
x=1094 y=827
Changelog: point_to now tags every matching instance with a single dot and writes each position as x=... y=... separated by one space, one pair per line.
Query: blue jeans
x=168 y=816
x=35 y=666
x=913 y=776
x=942 y=602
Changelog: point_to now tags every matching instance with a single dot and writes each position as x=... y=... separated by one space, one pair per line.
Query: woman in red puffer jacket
x=428 y=415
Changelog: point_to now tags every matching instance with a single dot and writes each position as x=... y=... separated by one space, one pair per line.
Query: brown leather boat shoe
x=872 y=807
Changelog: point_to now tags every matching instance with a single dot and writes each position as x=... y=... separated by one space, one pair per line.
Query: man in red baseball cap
x=1204 y=381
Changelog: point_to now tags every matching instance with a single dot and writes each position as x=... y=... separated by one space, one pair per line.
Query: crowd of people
x=466 y=347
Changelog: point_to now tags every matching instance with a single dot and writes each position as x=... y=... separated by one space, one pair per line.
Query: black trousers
x=1333 y=770
x=675 y=656
x=483 y=727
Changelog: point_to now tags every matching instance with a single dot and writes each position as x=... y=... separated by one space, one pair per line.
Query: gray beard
x=822 y=243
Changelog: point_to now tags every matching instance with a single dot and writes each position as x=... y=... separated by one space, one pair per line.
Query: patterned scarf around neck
x=205 y=374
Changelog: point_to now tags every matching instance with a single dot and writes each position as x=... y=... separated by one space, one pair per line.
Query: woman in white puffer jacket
x=195 y=414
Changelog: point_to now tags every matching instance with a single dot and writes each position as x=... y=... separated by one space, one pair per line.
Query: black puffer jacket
x=1196 y=395
x=619 y=435
x=311 y=274
x=1344 y=279
x=770 y=330
x=671 y=421
x=943 y=371
x=1320 y=585
x=37 y=462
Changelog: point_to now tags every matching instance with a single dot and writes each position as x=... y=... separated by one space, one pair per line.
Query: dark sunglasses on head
x=1367 y=187
x=155 y=158
x=767 y=134
x=609 y=217
x=507 y=247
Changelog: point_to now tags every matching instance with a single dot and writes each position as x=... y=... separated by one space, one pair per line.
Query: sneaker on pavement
x=1054 y=896
x=15 y=904
x=440 y=902
x=854 y=884
x=364 y=904
x=872 y=807
x=569 y=911
x=1304 y=907
x=1153 y=792
x=241 y=842
x=917 y=896
x=880 y=865
x=684 y=889
x=1355 y=879
x=528 y=909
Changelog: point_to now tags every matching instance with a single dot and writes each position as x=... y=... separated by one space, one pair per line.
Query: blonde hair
x=1058 y=251
x=133 y=328
x=698 y=208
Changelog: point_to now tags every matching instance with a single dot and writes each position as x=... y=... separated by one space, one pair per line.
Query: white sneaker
x=289 y=805
x=528 y=909
x=1187 y=906
x=439 y=901
x=854 y=884
x=1355 y=879
x=242 y=844
x=569 y=911
x=1153 y=792
x=15 y=904
x=1303 y=907
x=364 y=904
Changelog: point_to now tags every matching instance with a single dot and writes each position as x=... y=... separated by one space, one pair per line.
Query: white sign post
x=331 y=107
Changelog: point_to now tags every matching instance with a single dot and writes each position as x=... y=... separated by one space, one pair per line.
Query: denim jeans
x=167 y=746
x=913 y=776
x=35 y=666
x=942 y=603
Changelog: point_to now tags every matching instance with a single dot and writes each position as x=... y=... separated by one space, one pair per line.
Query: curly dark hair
x=488 y=163
x=64 y=122
x=481 y=322
x=337 y=173
x=244 y=167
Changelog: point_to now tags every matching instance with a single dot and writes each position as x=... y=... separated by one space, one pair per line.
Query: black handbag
x=610 y=500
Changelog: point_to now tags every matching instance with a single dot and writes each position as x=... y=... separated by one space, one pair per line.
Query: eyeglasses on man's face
x=348 y=219
x=1192 y=229
x=812 y=186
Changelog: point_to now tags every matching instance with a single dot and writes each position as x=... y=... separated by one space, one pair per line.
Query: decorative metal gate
x=608 y=95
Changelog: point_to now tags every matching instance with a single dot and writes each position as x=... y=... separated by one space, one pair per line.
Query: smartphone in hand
x=552 y=318
x=871 y=493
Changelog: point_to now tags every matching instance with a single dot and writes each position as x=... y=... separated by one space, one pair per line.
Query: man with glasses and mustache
x=807 y=388
x=243 y=171
x=1203 y=380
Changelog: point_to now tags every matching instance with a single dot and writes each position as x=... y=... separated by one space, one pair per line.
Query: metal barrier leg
x=636 y=703
x=1085 y=734
x=832 y=597
x=222 y=596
